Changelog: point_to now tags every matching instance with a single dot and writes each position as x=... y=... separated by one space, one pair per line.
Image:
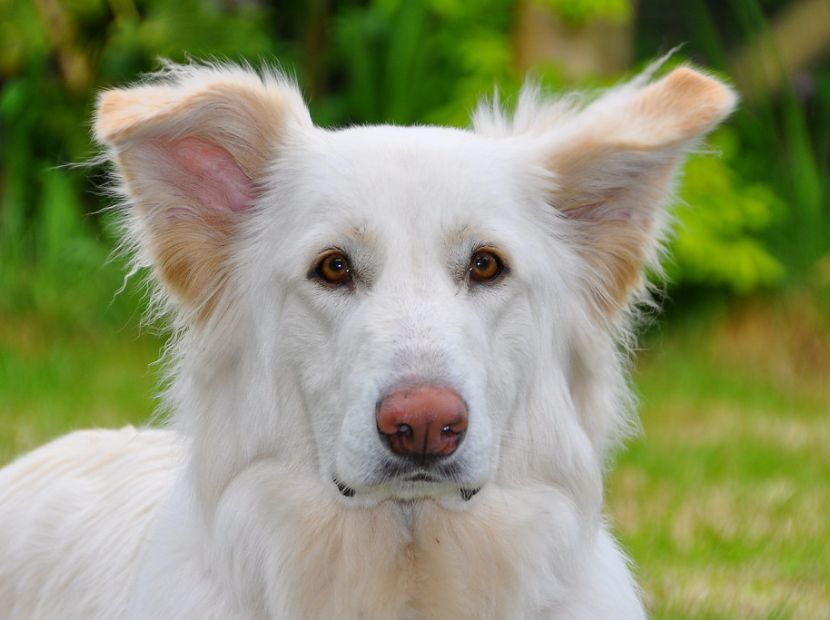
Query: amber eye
x=485 y=266
x=334 y=268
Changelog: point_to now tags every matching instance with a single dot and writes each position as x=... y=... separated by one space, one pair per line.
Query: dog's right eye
x=333 y=268
x=485 y=266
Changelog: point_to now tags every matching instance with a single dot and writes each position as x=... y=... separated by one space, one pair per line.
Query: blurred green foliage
x=754 y=217
x=580 y=12
x=720 y=218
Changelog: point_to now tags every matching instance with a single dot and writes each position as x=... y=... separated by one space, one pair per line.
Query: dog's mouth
x=420 y=480
x=421 y=476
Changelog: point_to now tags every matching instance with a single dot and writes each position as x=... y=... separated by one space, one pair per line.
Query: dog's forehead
x=415 y=142
x=401 y=182
x=420 y=168
x=400 y=190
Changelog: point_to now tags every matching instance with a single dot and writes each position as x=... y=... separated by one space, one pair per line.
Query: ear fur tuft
x=612 y=164
x=192 y=145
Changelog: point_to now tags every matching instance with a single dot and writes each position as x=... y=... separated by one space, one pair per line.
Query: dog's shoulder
x=75 y=512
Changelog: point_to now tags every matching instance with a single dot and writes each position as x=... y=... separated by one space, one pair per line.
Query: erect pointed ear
x=614 y=167
x=192 y=146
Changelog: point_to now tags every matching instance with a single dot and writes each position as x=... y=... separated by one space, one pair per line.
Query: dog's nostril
x=422 y=421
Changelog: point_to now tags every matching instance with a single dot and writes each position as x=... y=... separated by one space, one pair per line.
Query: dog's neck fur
x=394 y=559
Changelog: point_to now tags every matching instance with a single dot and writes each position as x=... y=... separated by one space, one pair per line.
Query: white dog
x=398 y=364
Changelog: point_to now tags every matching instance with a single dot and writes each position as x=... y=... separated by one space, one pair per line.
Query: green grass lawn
x=56 y=379
x=722 y=501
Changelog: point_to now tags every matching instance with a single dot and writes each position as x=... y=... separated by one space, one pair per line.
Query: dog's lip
x=421 y=476
x=345 y=490
x=418 y=477
x=467 y=494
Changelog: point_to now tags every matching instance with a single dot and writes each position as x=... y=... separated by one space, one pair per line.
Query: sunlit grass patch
x=56 y=379
x=754 y=592
x=722 y=501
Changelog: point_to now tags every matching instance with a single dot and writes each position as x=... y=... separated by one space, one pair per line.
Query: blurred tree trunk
x=314 y=43
x=598 y=47
x=123 y=10
x=796 y=37
x=61 y=32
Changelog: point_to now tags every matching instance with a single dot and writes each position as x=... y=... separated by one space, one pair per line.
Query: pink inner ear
x=209 y=175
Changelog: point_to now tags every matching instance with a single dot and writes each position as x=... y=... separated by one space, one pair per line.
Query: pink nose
x=423 y=420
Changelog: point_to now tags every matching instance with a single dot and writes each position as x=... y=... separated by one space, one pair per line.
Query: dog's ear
x=192 y=147
x=613 y=169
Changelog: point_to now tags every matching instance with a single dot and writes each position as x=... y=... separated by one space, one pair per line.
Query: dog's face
x=403 y=281
x=403 y=285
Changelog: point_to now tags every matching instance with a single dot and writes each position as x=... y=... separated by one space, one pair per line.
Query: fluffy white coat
x=230 y=196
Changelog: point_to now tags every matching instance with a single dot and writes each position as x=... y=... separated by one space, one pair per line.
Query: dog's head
x=404 y=308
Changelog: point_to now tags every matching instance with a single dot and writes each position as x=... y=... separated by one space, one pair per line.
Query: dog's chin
x=418 y=487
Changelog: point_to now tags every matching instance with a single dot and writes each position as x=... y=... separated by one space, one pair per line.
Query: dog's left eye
x=333 y=268
x=485 y=266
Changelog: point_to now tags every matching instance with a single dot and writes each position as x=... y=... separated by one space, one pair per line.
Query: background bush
x=760 y=210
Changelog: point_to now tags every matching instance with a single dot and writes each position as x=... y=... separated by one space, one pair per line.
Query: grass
x=54 y=379
x=722 y=502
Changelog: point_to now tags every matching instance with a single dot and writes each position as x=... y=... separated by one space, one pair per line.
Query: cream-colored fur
x=270 y=495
